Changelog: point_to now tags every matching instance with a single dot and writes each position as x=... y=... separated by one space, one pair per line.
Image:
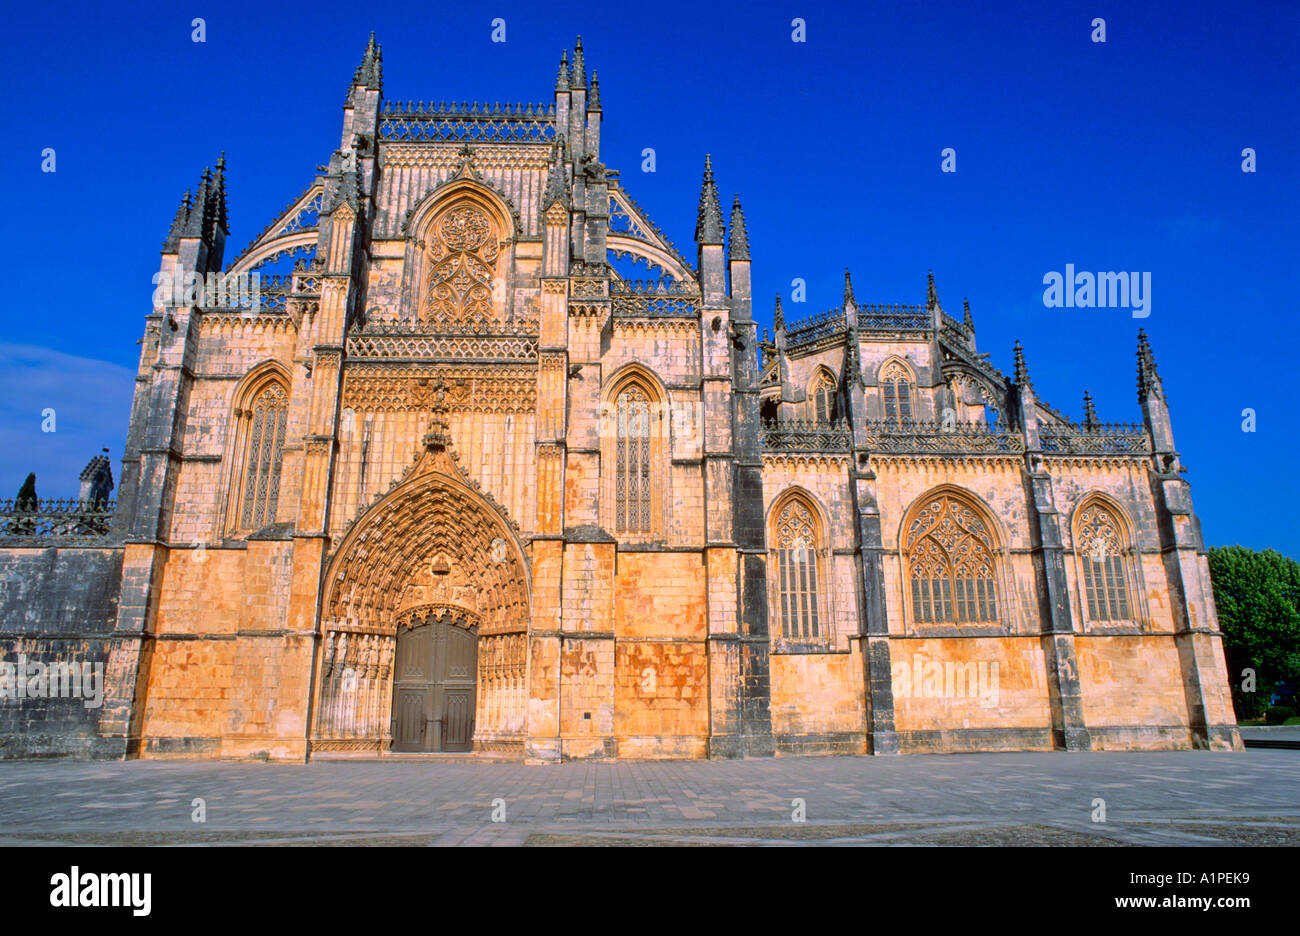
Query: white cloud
x=92 y=406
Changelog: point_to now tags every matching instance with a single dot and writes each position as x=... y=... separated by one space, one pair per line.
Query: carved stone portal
x=432 y=554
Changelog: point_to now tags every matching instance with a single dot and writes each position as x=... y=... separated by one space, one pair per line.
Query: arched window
x=951 y=564
x=463 y=249
x=821 y=393
x=635 y=446
x=632 y=506
x=259 y=452
x=896 y=387
x=795 y=551
x=1099 y=545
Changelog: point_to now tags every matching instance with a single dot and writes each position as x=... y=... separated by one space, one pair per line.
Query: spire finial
x=593 y=101
x=708 y=224
x=219 y=195
x=562 y=79
x=1149 y=383
x=370 y=73
x=1089 y=411
x=182 y=216
x=778 y=316
x=739 y=236
x=966 y=318
x=1022 y=370
x=848 y=289
x=931 y=294
x=579 y=66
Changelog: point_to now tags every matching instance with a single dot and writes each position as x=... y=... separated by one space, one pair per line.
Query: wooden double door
x=434 y=687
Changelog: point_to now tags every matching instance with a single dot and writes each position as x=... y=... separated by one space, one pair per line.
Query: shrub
x=1278 y=714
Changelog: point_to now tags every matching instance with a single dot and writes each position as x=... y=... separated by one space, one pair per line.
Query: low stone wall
x=58 y=605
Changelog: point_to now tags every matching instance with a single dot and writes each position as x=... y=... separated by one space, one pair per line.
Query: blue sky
x=1117 y=156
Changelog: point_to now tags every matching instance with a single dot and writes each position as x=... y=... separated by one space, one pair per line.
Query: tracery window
x=795 y=548
x=463 y=250
x=897 y=390
x=822 y=396
x=632 y=466
x=952 y=569
x=261 y=429
x=1099 y=545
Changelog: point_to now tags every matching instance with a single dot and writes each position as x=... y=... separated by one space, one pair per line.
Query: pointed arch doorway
x=435 y=682
x=424 y=627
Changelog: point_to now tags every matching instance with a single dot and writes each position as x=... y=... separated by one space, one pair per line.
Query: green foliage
x=1258 y=597
x=27 y=493
x=1278 y=715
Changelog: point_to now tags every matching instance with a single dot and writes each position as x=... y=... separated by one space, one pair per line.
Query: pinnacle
x=579 y=66
x=1148 y=376
x=848 y=289
x=556 y=189
x=370 y=73
x=778 y=316
x=739 y=236
x=708 y=225
x=1022 y=369
x=562 y=79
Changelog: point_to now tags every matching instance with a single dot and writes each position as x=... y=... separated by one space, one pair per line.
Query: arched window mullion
x=1102 y=547
x=260 y=432
x=798 y=584
x=950 y=561
x=636 y=448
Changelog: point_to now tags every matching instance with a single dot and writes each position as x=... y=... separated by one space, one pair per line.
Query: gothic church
x=454 y=483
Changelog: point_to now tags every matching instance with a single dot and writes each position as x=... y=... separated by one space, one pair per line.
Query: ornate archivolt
x=434 y=546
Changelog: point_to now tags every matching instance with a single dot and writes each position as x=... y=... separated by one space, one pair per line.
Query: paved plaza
x=1161 y=798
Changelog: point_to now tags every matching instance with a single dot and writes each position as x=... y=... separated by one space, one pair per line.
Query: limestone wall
x=58 y=605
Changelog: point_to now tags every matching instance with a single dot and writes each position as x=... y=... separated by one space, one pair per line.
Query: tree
x=26 y=499
x=1258 y=597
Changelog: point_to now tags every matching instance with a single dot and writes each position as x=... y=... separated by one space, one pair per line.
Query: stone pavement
x=1161 y=798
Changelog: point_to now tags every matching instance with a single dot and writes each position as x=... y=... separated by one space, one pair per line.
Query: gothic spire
x=1148 y=378
x=739 y=236
x=931 y=294
x=370 y=73
x=708 y=225
x=778 y=316
x=970 y=322
x=198 y=222
x=848 y=290
x=1022 y=370
x=556 y=188
x=219 y=195
x=593 y=102
x=178 y=223
x=1089 y=411
x=579 y=66
x=562 y=79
